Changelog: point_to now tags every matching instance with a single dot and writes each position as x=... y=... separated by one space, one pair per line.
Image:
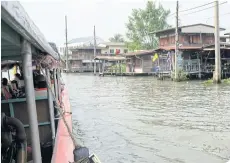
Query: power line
x=203 y=9
x=220 y=15
x=196 y=7
x=213 y=16
x=192 y=8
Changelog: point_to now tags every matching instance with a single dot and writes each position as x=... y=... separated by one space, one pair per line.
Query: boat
x=36 y=119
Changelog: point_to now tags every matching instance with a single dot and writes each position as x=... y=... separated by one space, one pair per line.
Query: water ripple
x=128 y=119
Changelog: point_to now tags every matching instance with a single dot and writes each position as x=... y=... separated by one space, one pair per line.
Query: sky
x=110 y=16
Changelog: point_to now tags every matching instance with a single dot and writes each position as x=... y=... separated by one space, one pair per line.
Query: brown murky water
x=142 y=120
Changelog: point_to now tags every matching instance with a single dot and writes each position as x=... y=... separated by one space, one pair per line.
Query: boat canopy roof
x=16 y=26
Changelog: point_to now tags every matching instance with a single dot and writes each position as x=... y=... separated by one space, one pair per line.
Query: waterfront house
x=208 y=59
x=223 y=38
x=140 y=61
x=82 y=58
x=228 y=37
x=79 y=42
x=192 y=38
x=113 y=48
x=111 y=64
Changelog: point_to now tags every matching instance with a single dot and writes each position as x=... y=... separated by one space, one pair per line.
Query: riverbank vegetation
x=182 y=76
x=210 y=81
x=117 y=68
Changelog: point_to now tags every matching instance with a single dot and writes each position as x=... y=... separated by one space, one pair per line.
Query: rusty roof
x=180 y=48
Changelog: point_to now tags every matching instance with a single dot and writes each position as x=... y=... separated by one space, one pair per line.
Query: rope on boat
x=59 y=106
x=81 y=154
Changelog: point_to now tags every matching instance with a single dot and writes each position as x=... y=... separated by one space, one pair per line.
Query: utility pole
x=66 y=44
x=94 y=37
x=217 y=73
x=176 y=43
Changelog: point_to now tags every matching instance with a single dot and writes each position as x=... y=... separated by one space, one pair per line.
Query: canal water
x=143 y=120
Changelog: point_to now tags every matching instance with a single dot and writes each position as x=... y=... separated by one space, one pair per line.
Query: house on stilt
x=208 y=62
x=139 y=62
x=192 y=39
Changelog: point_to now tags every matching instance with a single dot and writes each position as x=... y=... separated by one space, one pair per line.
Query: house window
x=125 y=50
x=171 y=40
x=161 y=42
x=111 y=51
x=193 y=40
x=209 y=34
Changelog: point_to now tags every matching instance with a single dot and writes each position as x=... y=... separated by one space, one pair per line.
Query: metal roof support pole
x=59 y=84
x=8 y=75
x=103 y=67
x=51 y=107
x=119 y=67
x=94 y=52
x=99 y=66
x=30 y=99
x=199 y=65
x=55 y=83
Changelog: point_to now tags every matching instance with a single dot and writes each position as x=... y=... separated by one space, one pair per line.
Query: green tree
x=117 y=38
x=133 y=46
x=143 y=21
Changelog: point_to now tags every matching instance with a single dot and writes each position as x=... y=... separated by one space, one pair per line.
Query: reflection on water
x=140 y=119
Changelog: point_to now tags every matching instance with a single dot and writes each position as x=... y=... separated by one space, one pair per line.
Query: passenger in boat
x=14 y=85
x=35 y=74
x=20 y=80
x=7 y=91
x=41 y=82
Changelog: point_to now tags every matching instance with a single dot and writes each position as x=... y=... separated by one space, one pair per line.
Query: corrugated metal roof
x=53 y=45
x=110 y=58
x=86 y=40
x=84 y=47
x=139 y=53
x=182 y=47
x=16 y=17
x=170 y=29
x=223 y=45
x=114 y=43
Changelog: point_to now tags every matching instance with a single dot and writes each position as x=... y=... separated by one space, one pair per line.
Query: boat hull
x=63 y=148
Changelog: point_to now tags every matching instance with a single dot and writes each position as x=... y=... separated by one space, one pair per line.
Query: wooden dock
x=162 y=74
x=125 y=74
